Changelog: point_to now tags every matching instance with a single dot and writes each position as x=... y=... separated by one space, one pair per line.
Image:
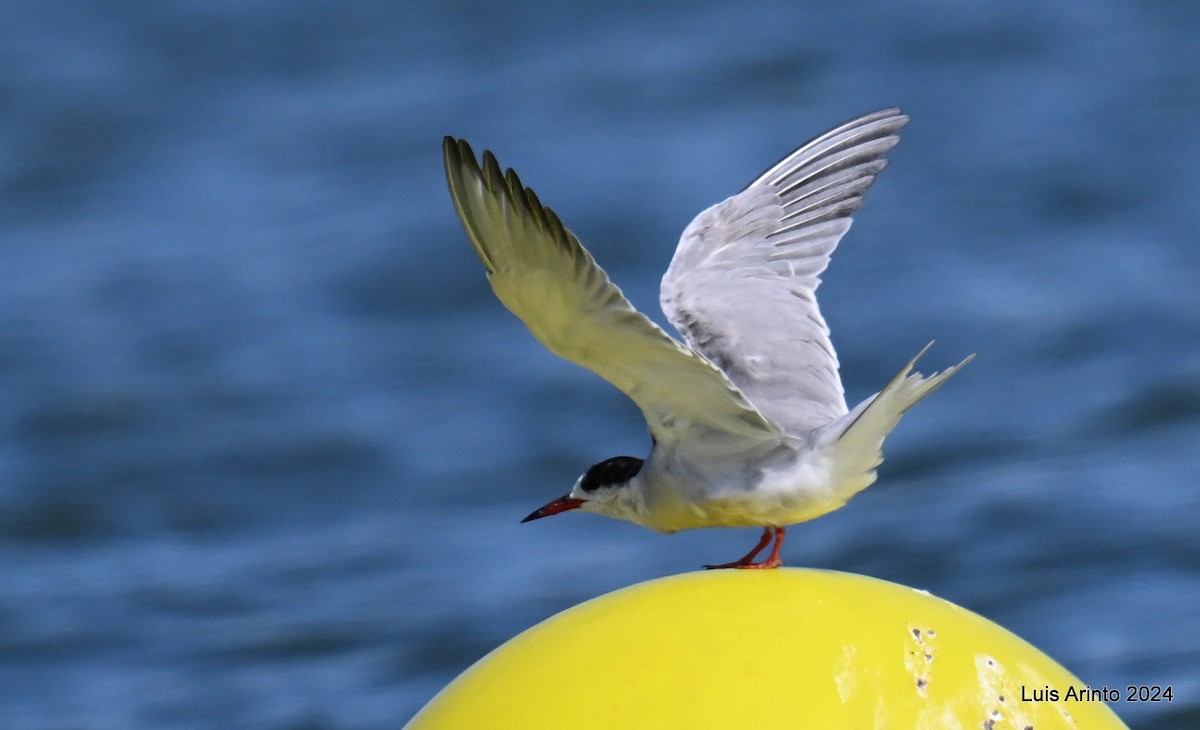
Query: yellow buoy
x=782 y=648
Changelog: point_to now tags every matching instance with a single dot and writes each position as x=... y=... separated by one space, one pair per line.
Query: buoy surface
x=775 y=648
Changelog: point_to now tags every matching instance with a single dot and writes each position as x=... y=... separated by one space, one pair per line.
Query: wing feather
x=741 y=286
x=542 y=274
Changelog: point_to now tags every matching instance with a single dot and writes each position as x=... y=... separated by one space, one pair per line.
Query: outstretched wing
x=741 y=287
x=539 y=270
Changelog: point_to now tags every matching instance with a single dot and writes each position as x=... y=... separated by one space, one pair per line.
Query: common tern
x=747 y=414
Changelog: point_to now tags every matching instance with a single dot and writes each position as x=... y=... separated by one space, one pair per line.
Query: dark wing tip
x=468 y=178
x=456 y=152
x=464 y=178
x=460 y=163
x=491 y=172
x=506 y=183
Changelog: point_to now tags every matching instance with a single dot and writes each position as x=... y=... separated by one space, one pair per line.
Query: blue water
x=265 y=434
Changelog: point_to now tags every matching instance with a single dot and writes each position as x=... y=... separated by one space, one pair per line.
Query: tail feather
x=856 y=440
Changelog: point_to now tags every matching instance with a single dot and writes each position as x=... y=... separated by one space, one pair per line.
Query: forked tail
x=856 y=439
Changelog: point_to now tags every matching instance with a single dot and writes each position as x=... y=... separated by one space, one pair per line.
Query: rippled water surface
x=265 y=434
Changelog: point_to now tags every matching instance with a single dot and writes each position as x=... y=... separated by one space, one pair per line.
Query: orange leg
x=747 y=561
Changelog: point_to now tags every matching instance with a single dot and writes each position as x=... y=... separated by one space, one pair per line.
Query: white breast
x=783 y=485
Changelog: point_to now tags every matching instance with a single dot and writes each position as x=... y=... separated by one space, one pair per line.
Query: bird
x=746 y=411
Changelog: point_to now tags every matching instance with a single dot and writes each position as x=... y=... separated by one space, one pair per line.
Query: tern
x=747 y=414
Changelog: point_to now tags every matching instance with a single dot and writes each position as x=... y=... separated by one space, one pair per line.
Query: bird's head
x=606 y=488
